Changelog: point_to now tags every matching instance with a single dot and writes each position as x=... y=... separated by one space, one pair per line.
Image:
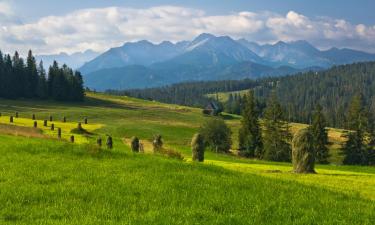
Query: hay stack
x=197 y=147
x=303 y=152
x=135 y=144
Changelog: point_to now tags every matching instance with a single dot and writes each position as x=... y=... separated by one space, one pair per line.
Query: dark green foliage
x=135 y=144
x=197 y=147
x=157 y=143
x=189 y=93
x=355 y=149
x=299 y=93
x=250 y=133
x=320 y=136
x=109 y=142
x=216 y=134
x=303 y=152
x=27 y=80
x=276 y=133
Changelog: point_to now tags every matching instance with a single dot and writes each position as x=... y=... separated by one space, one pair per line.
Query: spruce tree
x=250 y=134
x=355 y=149
x=276 y=134
x=31 y=76
x=320 y=136
x=42 y=88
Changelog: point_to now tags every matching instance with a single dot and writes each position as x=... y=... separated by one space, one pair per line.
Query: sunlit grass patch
x=27 y=125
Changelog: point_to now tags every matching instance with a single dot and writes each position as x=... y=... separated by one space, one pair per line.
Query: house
x=212 y=109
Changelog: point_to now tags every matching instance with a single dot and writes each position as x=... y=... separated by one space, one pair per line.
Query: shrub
x=206 y=112
x=216 y=134
x=197 y=147
x=303 y=152
x=135 y=144
x=170 y=153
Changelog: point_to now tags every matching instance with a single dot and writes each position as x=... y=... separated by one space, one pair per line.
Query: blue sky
x=54 y=26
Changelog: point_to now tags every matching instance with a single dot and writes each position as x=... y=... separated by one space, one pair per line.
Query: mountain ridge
x=210 y=57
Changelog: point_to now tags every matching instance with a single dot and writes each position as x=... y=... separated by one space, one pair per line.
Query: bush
x=197 y=147
x=170 y=153
x=216 y=134
x=303 y=152
x=135 y=144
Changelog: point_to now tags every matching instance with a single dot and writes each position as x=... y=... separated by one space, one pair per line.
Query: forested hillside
x=298 y=94
x=20 y=79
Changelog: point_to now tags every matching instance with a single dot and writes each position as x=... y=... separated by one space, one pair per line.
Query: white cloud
x=102 y=28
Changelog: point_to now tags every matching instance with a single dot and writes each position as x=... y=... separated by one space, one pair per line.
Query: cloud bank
x=102 y=28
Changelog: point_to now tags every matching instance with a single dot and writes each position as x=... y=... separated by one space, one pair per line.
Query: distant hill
x=207 y=57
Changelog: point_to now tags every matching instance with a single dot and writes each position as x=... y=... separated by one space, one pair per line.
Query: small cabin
x=212 y=109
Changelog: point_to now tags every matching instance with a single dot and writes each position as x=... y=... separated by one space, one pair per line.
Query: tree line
x=21 y=78
x=298 y=94
x=268 y=136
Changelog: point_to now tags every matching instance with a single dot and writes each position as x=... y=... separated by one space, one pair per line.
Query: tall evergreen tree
x=355 y=149
x=250 y=133
x=31 y=76
x=42 y=88
x=319 y=136
x=276 y=135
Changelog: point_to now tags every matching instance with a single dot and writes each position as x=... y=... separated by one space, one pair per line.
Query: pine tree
x=276 y=134
x=42 y=88
x=355 y=148
x=31 y=76
x=250 y=134
x=320 y=136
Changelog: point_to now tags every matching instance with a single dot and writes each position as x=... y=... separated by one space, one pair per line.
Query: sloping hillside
x=44 y=180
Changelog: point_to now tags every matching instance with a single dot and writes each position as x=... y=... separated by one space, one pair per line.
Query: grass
x=47 y=181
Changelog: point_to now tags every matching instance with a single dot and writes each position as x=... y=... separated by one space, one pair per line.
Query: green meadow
x=46 y=180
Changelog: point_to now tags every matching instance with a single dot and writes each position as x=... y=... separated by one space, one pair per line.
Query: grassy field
x=44 y=180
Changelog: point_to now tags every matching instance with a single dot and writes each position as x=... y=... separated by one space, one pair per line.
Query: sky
x=49 y=27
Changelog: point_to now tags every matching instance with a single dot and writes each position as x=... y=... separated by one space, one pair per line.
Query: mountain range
x=144 y=64
x=74 y=60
